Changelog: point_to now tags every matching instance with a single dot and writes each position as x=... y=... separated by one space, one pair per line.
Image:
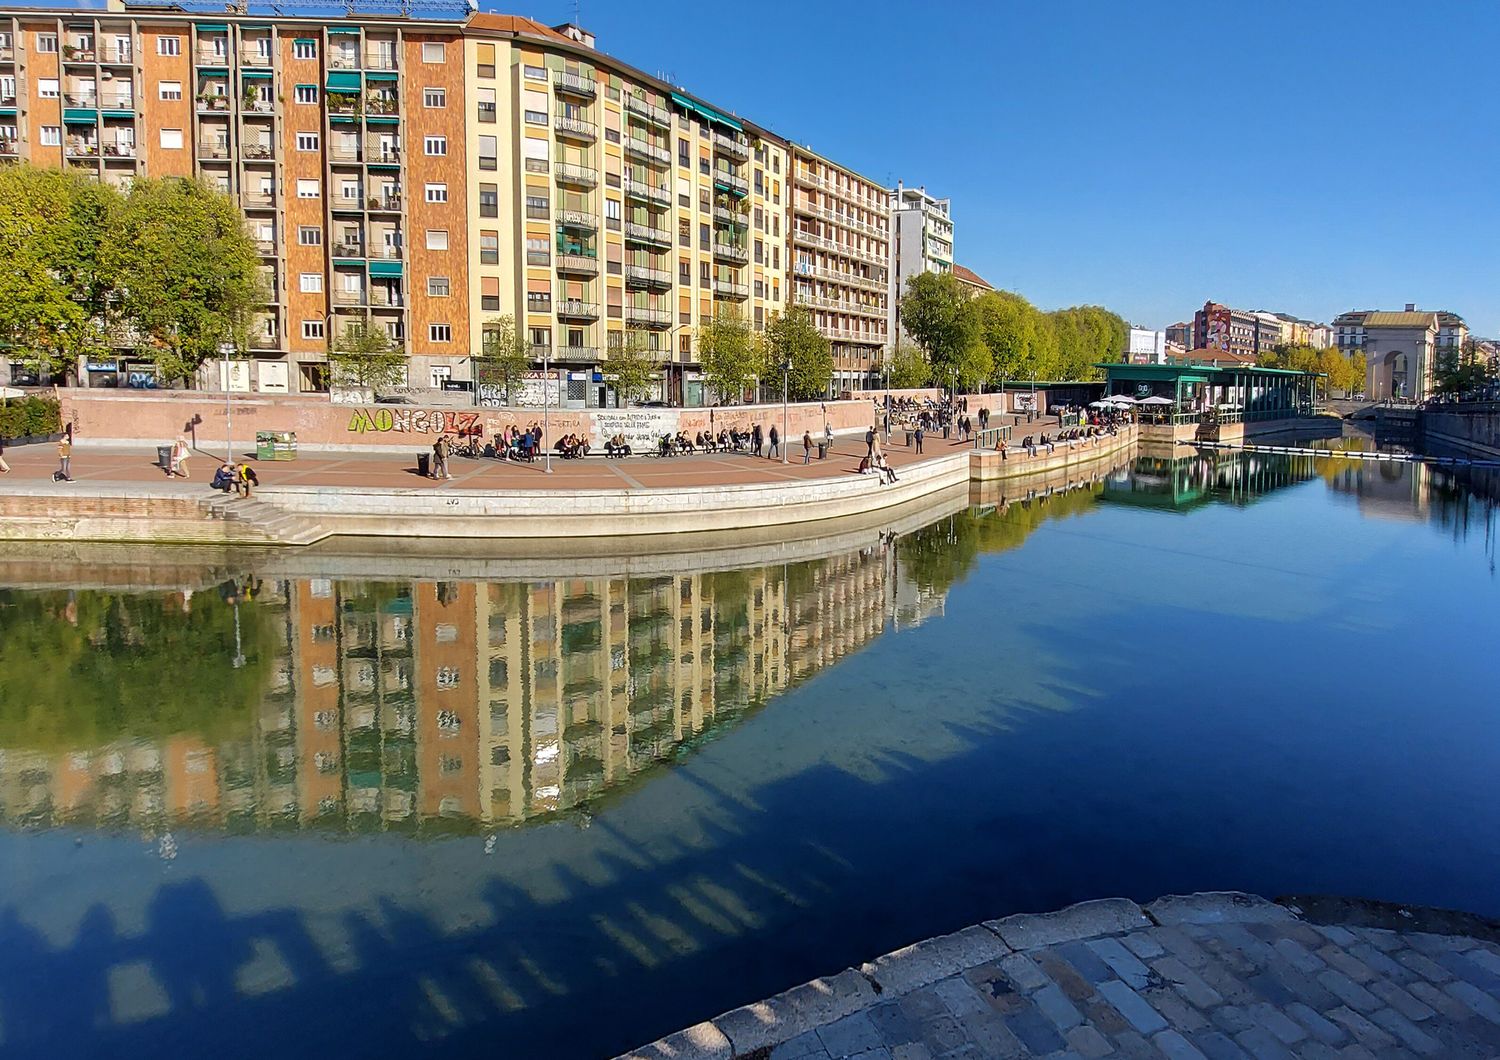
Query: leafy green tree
x=56 y=235
x=908 y=367
x=505 y=355
x=792 y=337
x=731 y=353
x=974 y=366
x=1007 y=324
x=630 y=367
x=364 y=356
x=1086 y=335
x=189 y=273
x=935 y=313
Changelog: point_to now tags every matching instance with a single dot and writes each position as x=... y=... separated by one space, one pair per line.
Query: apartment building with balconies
x=839 y=249
x=608 y=206
x=317 y=128
x=921 y=242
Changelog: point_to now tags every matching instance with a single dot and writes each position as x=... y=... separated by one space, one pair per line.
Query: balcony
x=117 y=56
x=733 y=292
x=643 y=192
x=385 y=298
x=263 y=108
x=648 y=151
x=573 y=353
x=86 y=100
x=542 y=352
x=117 y=101
x=658 y=116
x=583 y=219
x=646 y=278
x=576 y=85
x=737 y=185
x=380 y=250
x=388 y=106
x=343 y=105
x=213 y=151
x=638 y=233
x=732 y=252
x=578 y=264
x=646 y=317
x=575 y=128
x=262 y=341
x=343 y=297
x=211 y=55
x=119 y=149
x=384 y=203
x=577 y=309
x=386 y=154
x=77 y=148
x=253 y=57
x=209 y=103
x=266 y=247
x=10 y=147
x=725 y=215
x=257 y=202
x=72 y=53
x=348 y=250
x=345 y=152
x=342 y=60
x=731 y=147
x=256 y=152
x=576 y=176
x=381 y=58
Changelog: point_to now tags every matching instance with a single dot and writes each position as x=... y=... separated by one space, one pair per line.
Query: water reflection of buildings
x=461 y=705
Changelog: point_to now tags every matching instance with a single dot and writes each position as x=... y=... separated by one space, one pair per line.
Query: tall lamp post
x=546 y=406
x=786 y=379
x=227 y=349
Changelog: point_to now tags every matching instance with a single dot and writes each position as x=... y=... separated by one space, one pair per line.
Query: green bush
x=29 y=416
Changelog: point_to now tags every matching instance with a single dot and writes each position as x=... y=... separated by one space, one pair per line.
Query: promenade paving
x=398 y=469
x=1217 y=976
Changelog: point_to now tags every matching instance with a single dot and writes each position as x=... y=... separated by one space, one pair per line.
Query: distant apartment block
x=921 y=241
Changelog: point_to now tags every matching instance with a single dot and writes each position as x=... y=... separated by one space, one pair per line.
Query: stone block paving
x=1224 y=977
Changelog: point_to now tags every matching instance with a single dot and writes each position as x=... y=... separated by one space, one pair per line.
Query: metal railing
x=647 y=276
x=581 y=263
x=576 y=84
x=646 y=149
x=576 y=307
x=731 y=146
x=577 y=219
x=650 y=192
x=648 y=110
x=731 y=252
x=647 y=234
x=575 y=127
x=731 y=180
x=576 y=175
x=735 y=291
x=648 y=316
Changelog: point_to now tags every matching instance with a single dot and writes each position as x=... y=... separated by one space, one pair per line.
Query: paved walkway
x=395 y=469
x=1223 y=976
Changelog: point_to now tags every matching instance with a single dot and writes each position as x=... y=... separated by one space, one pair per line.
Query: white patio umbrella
x=1120 y=399
x=1155 y=401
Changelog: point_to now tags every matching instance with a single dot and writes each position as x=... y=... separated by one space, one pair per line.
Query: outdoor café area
x=1172 y=394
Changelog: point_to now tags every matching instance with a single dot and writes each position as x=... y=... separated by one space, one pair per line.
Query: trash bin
x=822 y=450
x=164 y=457
x=424 y=464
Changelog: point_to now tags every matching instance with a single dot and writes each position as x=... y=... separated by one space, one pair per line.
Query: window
x=684 y=159
x=537 y=207
x=46 y=43
x=439 y=333
x=432 y=52
x=538 y=250
x=489 y=200
x=489 y=294
x=437 y=239
x=308 y=189
x=488 y=153
x=169 y=90
x=312 y=329
x=684 y=272
x=311 y=282
x=52 y=136
x=489 y=248
x=539 y=302
x=165 y=45
x=307 y=141
x=437 y=193
x=304 y=49
x=435 y=145
x=536 y=73
x=349 y=191
x=46 y=87
x=434 y=98
x=437 y=287
x=484 y=60
x=171 y=139
x=309 y=236
x=487 y=105
x=307 y=93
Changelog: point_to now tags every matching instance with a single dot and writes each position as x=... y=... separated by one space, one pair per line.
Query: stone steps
x=264 y=520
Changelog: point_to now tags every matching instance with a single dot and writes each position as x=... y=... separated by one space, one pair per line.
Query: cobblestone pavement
x=1219 y=976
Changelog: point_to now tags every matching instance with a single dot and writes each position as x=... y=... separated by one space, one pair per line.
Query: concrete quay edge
x=752 y=1031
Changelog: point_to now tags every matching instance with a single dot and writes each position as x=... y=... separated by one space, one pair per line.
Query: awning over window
x=255 y=73
x=211 y=27
x=343 y=29
x=385 y=269
x=81 y=117
x=343 y=81
x=381 y=76
x=706 y=113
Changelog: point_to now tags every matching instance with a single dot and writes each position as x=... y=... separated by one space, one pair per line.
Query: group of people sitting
x=235 y=478
x=1071 y=437
x=572 y=447
x=617 y=446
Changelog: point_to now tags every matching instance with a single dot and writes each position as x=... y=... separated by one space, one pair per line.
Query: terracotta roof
x=1212 y=356
x=1401 y=320
x=970 y=276
x=483 y=20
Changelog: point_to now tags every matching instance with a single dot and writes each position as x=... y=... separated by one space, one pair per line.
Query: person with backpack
x=64 y=472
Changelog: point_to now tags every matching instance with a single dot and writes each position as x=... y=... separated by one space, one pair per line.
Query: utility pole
x=786 y=378
x=546 y=404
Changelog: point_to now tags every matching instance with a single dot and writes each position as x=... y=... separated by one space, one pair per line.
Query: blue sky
x=1301 y=157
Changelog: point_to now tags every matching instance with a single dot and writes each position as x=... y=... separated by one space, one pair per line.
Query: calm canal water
x=297 y=815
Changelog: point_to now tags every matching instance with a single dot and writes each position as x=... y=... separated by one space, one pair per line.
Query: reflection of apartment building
x=921 y=235
x=840 y=250
x=454 y=705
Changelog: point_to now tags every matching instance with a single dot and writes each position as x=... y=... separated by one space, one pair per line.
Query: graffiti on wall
x=411 y=421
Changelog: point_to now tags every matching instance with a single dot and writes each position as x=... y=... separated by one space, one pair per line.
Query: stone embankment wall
x=113 y=418
x=988 y=465
x=1475 y=429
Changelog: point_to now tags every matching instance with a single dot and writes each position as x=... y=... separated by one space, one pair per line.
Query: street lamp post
x=786 y=379
x=546 y=405
x=226 y=349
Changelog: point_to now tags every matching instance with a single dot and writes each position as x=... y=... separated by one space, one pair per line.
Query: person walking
x=440 y=458
x=64 y=472
x=807 y=447
x=870 y=444
x=827 y=437
x=177 y=465
x=917 y=437
x=775 y=450
x=756 y=439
